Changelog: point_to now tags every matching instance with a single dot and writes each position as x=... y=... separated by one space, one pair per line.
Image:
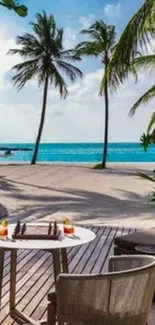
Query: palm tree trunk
x=35 y=154
x=106 y=97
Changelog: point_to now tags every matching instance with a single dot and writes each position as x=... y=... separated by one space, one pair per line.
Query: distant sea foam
x=82 y=153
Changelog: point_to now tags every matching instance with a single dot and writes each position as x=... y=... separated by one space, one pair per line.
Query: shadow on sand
x=84 y=205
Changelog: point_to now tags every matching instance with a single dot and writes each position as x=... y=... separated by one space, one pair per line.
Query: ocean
x=81 y=153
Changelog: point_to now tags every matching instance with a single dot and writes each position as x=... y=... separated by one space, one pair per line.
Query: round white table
x=56 y=247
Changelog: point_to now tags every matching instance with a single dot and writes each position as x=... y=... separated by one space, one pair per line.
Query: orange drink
x=68 y=229
x=3 y=231
x=4 y=228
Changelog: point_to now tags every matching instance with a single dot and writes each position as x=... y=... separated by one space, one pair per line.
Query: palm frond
x=70 y=55
x=102 y=41
x=145 y=62
x=24 y=53
x=151 y=123
x=44 y=25
x=145 y=141
x=90 y=49
x=71 y=71
x=59 y=38
x=41 y=50
x=102 y=34
x=59 y=82
x=29 y=46
x=144 y=99
x=137 y=34
x=144 y=176
x=25 y=72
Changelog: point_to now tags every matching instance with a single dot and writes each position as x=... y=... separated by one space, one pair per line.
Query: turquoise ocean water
x=82 y=153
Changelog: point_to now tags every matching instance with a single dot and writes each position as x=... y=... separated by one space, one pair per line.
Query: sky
x=79 y=118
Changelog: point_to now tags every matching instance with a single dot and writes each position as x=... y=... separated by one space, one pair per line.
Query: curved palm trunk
x=106 y=97
x=35 y=154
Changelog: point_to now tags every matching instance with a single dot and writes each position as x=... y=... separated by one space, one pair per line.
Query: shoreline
x=48 y=163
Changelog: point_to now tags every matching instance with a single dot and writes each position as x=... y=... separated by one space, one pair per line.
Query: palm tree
x=136 y=36
x=44 y=57
x=101 y=45
x=134 y=40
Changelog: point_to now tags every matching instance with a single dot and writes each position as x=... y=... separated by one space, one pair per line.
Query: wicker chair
x=121 y=297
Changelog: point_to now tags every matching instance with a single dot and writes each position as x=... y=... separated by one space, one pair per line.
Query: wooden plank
x=103 y=255
x=1 y=272
x=76 y=262
x=64 y=260
x=13 y=269
x=73 y=255
x=40 y=310
x=35 y=273
x=95 y=251
x=105 y=266
x=45 y=283
x=43 y=304
x=28 y=258
x=22 y=257
x=24 y=294
x=25 y=282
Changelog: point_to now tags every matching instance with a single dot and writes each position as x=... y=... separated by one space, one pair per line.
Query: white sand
x=116 y=196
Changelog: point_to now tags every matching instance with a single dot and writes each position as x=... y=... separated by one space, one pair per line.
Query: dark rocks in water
x=14 y=149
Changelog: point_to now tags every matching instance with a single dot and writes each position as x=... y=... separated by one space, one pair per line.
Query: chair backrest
x=117 y=298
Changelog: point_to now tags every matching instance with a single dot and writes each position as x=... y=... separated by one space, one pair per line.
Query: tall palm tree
x=102 y=43
x=44 y=58
x=135 y=37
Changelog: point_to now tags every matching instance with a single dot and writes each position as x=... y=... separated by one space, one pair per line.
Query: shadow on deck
x=35 y=273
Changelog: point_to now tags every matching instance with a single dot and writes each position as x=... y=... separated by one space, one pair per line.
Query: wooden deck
x=35 y=273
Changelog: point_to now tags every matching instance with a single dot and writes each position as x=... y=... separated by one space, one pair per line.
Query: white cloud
x=6 y=61
x=86 y=21
x=78 y=118
x=70 y=37
x=18 y=123
x=82 y=114
x=113 y=11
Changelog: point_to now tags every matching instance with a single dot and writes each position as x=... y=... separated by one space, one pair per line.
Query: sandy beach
x=116 y=196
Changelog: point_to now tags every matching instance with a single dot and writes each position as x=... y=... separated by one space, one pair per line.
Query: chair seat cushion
x=145 y=237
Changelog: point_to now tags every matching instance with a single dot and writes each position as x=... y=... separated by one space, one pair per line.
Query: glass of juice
x=4 y=229
x=68 y=229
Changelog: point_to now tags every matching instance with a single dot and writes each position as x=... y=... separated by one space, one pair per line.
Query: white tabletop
x=82 y=236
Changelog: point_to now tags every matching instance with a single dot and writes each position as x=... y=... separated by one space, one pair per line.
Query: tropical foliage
x=151 y=179
x=135 y=38
x=130 y=56
x=144 y=63
x=102 y=44
x=21 y=10
x=149 y=138
x=44 y=58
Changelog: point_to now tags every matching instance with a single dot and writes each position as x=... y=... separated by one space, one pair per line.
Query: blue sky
x=81 y=117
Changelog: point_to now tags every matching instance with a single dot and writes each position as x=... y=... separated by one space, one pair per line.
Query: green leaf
x=144 y=176
x=21 y=10
x=9 y=3
x=151 y=123
x=145 y=141
x=143 y=100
